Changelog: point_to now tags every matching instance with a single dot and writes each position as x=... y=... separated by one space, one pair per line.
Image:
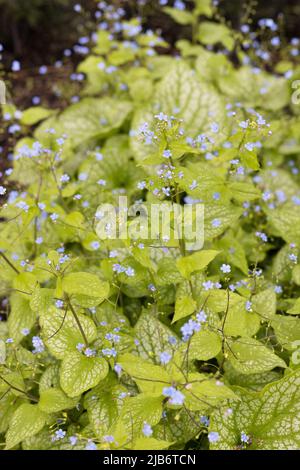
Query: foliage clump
x=144 y=343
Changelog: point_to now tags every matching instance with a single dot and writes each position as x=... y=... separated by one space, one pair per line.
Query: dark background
x=36 y=31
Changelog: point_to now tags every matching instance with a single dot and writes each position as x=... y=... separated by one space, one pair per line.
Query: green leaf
x=150 y=378
x=180 y=16
x=93 y=118
x=195 y=262
x=204 y=7
x=218 y=217
x=2 y=351
x=254 y=382
x=61 y=333
x=201 y=393
x=50 y=378
x=27 y=421
x=264 y=303
x=249 y=356
x=8 y=405
x=25 y=282
x=240 y=322
x=284 y=220
x=179 y=428
x=242 y=191
x=296 y=275
x=79 y=373
x=233 y=251
x=287 y=330
x=153 y=336
x=15 y=379
x=121 y=56
x=149 y=443
x=21 y=316
x=204 y=345
x=184 y=306
x=212 y=33
x=141 y=90
x=245 y=85
x=35 y=114
x=103 y=404
x=167 y=272
x=270 y=418
x=41 y=299
x=86 y=289
x=198 y=102
x=53 y=400
x=135 y=412
x=295 y=309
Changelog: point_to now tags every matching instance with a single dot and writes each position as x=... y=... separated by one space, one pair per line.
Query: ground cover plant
x=146 y=341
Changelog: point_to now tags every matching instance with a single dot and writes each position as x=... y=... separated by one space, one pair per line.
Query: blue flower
x=208 y=285
x=204 y=420
x=15 y=66
x=216 y=223
x=59 y=434
x=165 y=357
x=250 y=146
x=225 y=268
x=95 y=245
x=179 y=5
x=91 y=446
x=89 y=352
x=38 y=345
x=213 y=436
x=65 y=178
x=172 y=340
x=167 y=153
x=130 y=272
x=262 y=236
x=73 y=440
x=142 y=185
x=175 y=397
x=161 y=117
x=54 y=216
x=22 y=205
x=25 y=331
x=245 y=28
x=278 y=289
x=201 y=316
x=118 y=369
x=293 y=258
x=189 y=328
x=244 y=124
x=109 y=352
x=193 y=185
x=244 y=438
x=147 y=429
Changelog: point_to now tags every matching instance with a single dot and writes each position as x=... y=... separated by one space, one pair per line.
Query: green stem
x=9 y=262
x=31 y=397
x=77 y=321
x=181 y=239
